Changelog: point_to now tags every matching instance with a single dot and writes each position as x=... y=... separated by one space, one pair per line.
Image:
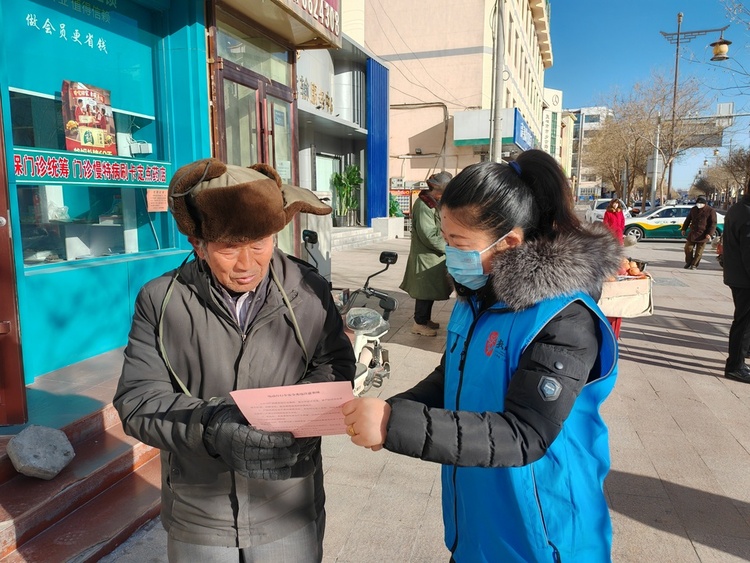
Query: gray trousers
x=303 y=546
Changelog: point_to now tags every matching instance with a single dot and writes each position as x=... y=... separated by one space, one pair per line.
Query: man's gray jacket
x=203 y=500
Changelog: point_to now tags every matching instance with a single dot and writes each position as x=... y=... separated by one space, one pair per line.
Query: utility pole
x=674 y=99
x=720 y=49
x=655 y=171
x=498 y=65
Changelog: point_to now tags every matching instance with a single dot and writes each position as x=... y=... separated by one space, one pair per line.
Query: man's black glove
x=249 y=451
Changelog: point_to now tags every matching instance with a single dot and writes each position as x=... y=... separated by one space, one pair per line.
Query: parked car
x=664 y=222
x=596 y=209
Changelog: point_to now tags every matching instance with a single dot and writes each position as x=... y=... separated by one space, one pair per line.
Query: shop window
x=67 y=223
x=249 y=49
x=37 y=121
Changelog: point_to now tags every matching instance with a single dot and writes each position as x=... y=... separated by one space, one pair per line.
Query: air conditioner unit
x=128 y=146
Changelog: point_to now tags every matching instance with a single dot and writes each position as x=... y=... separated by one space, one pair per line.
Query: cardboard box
x=627 y=298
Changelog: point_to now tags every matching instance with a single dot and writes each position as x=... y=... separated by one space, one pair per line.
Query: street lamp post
x=720 y=49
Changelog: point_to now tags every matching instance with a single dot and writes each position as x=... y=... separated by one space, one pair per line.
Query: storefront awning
x=328 y=124
x=305 y=24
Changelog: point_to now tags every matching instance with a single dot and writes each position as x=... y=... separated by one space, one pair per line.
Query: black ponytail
x=533 y=194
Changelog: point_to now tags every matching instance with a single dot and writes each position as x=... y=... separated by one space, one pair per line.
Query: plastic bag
x=629 y=240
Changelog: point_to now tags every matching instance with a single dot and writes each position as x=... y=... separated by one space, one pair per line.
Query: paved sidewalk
x=679 y=489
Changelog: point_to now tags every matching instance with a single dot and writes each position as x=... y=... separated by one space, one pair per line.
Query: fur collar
x=430 y=201
x=542 y=269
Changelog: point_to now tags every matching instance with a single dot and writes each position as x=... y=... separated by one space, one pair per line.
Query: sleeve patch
x=549 y=388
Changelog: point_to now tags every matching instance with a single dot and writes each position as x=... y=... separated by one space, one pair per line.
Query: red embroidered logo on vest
x=490 y=344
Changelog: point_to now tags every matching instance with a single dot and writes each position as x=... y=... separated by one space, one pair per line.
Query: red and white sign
x=32 y=166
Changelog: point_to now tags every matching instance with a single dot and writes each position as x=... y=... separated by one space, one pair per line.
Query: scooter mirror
x=311 y=237
x=388 y=257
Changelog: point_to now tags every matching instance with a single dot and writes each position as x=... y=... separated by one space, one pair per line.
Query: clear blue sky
x=598 y=46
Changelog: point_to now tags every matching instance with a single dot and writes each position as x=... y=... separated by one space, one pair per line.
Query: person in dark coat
x=242 y=315
x=512 y=411
x=426 y=278
x=736 y=240
x=701 y=223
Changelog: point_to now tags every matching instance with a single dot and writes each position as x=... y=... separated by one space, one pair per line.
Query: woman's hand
x=366 y=421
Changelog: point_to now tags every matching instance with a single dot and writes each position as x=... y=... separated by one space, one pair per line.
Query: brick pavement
x=679 y=489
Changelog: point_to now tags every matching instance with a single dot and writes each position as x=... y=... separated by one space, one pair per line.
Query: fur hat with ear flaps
x=218 y=202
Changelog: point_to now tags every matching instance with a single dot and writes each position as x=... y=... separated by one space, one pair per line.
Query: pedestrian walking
x=512 y=410
x=240 y=315
x=700 y=226
x=614 y=219
x=426 y=277
x=736 y=253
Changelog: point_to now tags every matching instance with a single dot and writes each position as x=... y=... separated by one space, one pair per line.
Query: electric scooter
x=369 y=326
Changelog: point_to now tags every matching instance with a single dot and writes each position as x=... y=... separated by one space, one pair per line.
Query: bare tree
x=628 y=137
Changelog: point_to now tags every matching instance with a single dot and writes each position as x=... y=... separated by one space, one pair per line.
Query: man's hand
x=249 y=451
x=682 y=233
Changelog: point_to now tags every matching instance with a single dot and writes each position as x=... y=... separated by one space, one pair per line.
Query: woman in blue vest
x=512 y=411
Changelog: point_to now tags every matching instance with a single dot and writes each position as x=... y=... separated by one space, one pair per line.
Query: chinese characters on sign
x=61 y=30
x=314 y=94
x=546 y=131
x=90 y=8
x=326 y=12
x=156 y=201
x=34 y=167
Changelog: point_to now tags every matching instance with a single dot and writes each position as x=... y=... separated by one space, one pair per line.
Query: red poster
x=89 y=123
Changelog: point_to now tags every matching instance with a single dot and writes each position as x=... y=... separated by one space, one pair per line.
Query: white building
x=440 y=54
x=588 y=122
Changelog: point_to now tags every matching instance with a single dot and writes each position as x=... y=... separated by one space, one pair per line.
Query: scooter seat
x=367 y=321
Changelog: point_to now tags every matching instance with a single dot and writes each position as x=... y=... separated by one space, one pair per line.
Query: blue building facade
x=101 y=101
x=87 y=225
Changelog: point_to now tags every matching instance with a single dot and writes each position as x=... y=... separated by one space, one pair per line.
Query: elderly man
x=241 y=315
x=701 y=223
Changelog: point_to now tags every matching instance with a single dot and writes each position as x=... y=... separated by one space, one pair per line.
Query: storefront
x=101 y=101
x=472 y=128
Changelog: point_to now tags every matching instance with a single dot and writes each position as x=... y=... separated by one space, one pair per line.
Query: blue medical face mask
x=465 y=266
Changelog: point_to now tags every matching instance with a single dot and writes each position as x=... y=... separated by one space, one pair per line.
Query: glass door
x=279 y=127
x=241 y=126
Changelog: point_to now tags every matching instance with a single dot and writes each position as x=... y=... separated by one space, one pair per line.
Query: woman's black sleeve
x=551 y=373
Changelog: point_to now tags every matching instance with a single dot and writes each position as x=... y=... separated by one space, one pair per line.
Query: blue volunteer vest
x=553 y=509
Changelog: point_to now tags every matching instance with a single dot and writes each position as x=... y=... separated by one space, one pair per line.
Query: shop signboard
x=87 y=115
x=36 y=166
x=322 y=15
x=473 y=128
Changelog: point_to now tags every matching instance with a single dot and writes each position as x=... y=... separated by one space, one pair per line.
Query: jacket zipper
x=461 y=363
x=555 y=551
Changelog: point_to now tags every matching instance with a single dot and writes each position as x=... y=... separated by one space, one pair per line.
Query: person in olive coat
x=426 y=277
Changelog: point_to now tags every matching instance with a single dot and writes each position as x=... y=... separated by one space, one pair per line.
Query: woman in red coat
x=614 y=219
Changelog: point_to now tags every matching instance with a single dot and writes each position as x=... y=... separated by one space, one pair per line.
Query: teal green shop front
x=87 y=220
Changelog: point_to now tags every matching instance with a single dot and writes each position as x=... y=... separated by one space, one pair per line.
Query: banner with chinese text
x=88 y=119
x=35 y=166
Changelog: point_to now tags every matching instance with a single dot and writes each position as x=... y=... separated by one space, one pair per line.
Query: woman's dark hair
x=532 y=193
